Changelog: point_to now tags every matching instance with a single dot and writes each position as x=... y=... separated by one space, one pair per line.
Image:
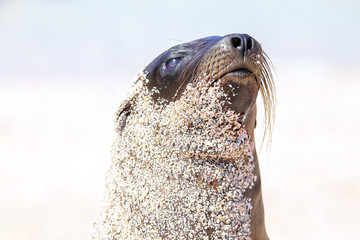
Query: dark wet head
x=236 y=60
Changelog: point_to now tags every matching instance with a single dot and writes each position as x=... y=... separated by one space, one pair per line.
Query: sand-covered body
x=184 y=163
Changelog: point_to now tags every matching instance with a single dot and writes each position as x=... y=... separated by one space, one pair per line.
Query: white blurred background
x=66 y=65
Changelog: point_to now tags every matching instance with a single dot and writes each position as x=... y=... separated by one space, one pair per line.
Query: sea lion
x=184 y=163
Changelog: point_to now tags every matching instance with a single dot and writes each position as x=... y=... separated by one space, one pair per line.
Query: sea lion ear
x=122 y=114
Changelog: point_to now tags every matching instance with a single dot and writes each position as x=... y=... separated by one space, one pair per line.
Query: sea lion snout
x=234 y=53
x=234 y=62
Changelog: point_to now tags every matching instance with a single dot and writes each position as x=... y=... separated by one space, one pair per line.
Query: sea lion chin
x=184 y=163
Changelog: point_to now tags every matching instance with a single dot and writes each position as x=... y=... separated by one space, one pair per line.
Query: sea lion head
x=236 y=60
x=235 y=65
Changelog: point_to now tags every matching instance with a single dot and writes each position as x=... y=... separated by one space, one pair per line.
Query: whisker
x=268 y=92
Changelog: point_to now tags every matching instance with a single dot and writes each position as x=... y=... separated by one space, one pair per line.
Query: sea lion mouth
x=238 y=74
x=241 y=71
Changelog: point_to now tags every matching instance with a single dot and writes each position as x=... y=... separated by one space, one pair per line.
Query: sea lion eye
x=170 y=64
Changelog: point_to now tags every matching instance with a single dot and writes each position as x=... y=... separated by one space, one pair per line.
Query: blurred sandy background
x=66 y=65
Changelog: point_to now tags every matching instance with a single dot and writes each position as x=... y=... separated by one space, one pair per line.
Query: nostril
x=236 y=42
x=249 y=43
x=243 y=43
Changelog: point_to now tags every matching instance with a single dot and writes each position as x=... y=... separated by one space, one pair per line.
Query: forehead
x=194 y=47
x=200 y=42
x=195 y=44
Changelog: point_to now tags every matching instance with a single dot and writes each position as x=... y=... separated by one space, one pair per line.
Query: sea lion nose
x=243 y=43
